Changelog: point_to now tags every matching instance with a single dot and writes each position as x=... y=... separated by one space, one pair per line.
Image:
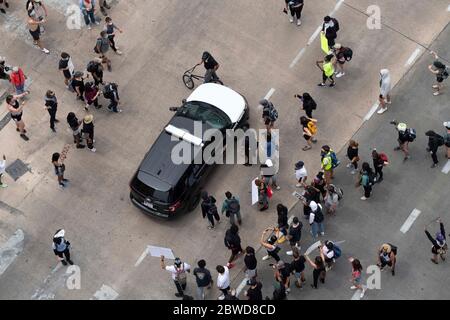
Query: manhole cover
x=17 y=169
x=5 y=120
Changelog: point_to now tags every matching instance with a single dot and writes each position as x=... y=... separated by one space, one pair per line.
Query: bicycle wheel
x=188 y=82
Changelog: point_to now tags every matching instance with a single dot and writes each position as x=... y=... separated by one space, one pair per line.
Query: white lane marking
x=60 y=5
x=105 y=293
x=371 y=111
x=49 y=286
x=142 y=257
x=314 y=35
x=290 y=219
x=413 y=56
x=10 y=250
x=448 y=8
x=269 y=94
x=297 y=58
x=336 y=7
x=241 y=286
x=409 y=222
x=446 y=168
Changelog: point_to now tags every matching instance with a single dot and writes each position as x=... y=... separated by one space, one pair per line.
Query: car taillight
x=175 y=206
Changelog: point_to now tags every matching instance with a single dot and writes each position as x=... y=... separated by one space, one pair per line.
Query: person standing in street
x=269 y=174
x=269 y=114
x=88 y=10
x=327 y=68
x=203 y=279
x=2 y=171
x=34 y=26
x=439 y=248
x=66 y=67
x=102 y=47
x=110 y=29
x=209 y=209
x=320 y=185
x=211 y=66
x=327 y=164
x=95 y=68
x=103 y=6
x=254 y=293
x=367 y=180
x=294 y=235
x=250 y=264
x=78 y=85
x=61 y=247
x=342 y=55
x=51 y=105
x=233 y=242
x=263 y=197
x=352 y=154
x=379 y=161
x=18 y=78
x=88 y=131
x=301 y=175
x=319 y=272
x=330 y=27
x=232 y=208
x=434 y=142
x=60 y=168
x=308 y=103
x=75 y=125
x=298 y=267
x=387 y=256
x=441 y=71
x=294 y=8
x=111 y=92
x=385 y=90
x=282 y=218
x=356 y=280
x=270 y=245
x=178 y=271
x=405 y=136
x=223 y=280
x=309 y=126
x=16 y=111
x=447 y=139
x=282 y=273
x=91 y=94
x=316 y=219
x=331 y=200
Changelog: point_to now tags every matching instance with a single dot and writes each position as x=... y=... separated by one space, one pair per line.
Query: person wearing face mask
x=330 y=27
x=51 y=105
x=439 y=248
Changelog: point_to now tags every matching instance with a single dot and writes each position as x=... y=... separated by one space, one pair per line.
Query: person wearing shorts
x=66 y=67
x=35 y=30
x=440 y=70
x=307 y=134
x=75 y=125
x=16 y=111
x=250 y=264
x=298 y=266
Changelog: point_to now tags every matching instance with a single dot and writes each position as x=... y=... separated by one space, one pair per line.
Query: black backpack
x=92 y=66
x=393 y=248
x=318 y=215
x=109 y=90
x=372 y=178
x=336 y=24
x=97 y=45
x=440 y=140
x=411 y=134
x=348 y=54
x=233 y=206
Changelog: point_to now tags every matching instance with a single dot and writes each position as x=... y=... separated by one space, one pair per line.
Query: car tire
x=194 y=203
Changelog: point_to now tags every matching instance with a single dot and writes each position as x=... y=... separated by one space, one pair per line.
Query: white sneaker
x=97 y=23
x=350 y=165
x=291 y=19
x=222 y=297
x=288 y=290
x=298 y=185
x=322 y=233
x=382 y=110
x=45 y=51
x=266 y=258
x=93 y=149
x=119 y=52
x=363 y=198
x=436 y=93
x=353 y=288
x=353 y=172
x=89 y=27
x=340 y=74
x=299 y=23
x=290 y=253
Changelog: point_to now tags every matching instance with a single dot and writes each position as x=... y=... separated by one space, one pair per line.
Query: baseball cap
x=60 y=234
x=447 y=124
x=402 y=127
x=313 y=205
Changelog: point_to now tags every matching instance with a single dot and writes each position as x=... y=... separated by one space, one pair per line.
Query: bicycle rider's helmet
x=205 y=55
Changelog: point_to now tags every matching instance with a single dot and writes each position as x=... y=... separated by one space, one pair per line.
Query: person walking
x=233 y=242
x=17 y=79
x=110 y=29
x=352 y=154
x=439 y=248
x=75 y=125
x=232 y=208
x=434 y=142
x=103 y=6
x=39 y=10
x=51 y=105
x=342 y=55
x=95 y=68
x=298 y=267
x=34 y=27
x=270 y=245
x=311 y=194
x=379 y=161
x=203 y=279
x=263 y=195
x=61 y=247
x=178 y=271
x=330 y=27
x=66 y=67
x=269 y=174
x=211 y=66
x=387 y=256
x=88 y=131
x=294 y=235
x=251 y=264
x=2 y=171
x=295 y=8
x=441 y=71
x=223 y=280
x=327 y=163
x=331 y=200
x=4 y=5
x=327 y=67
x=102 y=47
x=254 y=293
x=328 y=250
x=447 y=139
x=319 y=272
x=357 y=277
x=405 y=136
x=209 y=209
x=316 y=219
x=91 y=94
x=385 y=90
x=282 y=219
x=88 y=10
x=269 y=114
x=308 y=103
x=282 y=274
x=367 y=180
x=60 y=168
x=320 y=185
x=16 y=111
x=301 y=174
x=78 y=84
x=111 y=92
x=309 y=126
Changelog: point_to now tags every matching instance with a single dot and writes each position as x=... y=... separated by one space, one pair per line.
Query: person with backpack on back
x=316 y=219
x=331 y=252
x=405 y=136
x=330 y=27
x=232 y=208
x=329 y=161
x=367 y=180
x=441 y=71
x=380 y=160
x=434 y=142
x=353 y=156
x=282 y=274
x=102 y=47
x=111 y=92
x=270 y=114
x=308 y=103
x=387 y=256
x=439 y=243
x=447 y=139
x=309 y=126
x=178 y=271
x=327 y=68
x=342 y=55
x=95 y=68
x=294 y=235
x=209 y=209
x=233 y=242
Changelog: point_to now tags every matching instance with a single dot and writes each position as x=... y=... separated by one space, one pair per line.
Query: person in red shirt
x=17 y=79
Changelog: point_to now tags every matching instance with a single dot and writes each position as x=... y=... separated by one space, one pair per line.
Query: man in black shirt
x=95 y=68
x=211 y=66
x=250 y=264
x=51 y=105
x=378 y=164
x=203 y=279
x=66 y=67
x=254 y=293
x=298 y=267
x=294 y=235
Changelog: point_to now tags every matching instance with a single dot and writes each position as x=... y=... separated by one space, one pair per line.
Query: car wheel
x=194 y=203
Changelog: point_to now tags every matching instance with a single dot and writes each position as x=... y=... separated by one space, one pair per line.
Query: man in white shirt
x=328 y=253
x=300 y=174
x=2 y=171
x=178 y=271
x=223 y=280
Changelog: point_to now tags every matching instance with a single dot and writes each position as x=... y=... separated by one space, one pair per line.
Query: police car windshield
x=206 y=113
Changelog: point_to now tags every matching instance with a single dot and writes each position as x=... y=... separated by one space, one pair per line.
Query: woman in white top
x=223 y=280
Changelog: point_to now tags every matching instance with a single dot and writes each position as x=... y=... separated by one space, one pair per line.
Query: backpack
x=273 y=113
x=227 y=241
x=372 y=178
x=312 y=127
x=384 y=158
x=337 y=251
x=334 y=160
x=447 y=139
x=411 y=134
x=91 y=66
x=97 y=45
x=393 y=248
x=233 y=206
x=339 y=192
x=336 y=24
x=318 y=215
x=440 y=140
x=109 y=90
x=348 y=54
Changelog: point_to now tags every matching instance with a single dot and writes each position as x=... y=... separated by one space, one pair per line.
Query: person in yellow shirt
x=327 y=67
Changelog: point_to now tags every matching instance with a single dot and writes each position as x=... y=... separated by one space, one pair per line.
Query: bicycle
x=189 y=76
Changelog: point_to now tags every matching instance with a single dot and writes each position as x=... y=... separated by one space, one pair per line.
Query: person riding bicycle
x=211 y=66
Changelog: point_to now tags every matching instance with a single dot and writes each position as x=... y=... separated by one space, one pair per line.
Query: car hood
x=223 y=98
